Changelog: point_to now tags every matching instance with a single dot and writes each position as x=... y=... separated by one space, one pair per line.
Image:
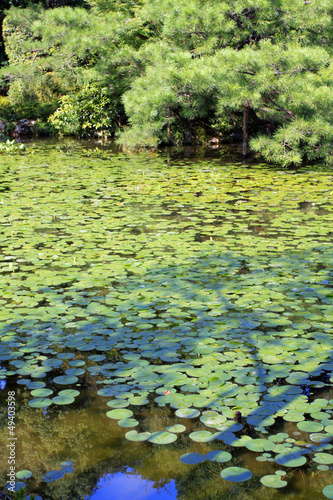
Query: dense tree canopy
x=173 y=72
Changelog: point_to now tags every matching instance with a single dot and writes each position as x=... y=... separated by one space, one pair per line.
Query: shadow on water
x=232 y=330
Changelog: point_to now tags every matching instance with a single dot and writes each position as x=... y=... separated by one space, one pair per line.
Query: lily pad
x=41 y=393
x=64 y=399
x=202 y=436
x=67 y=463
x=40 y=402
x=192 y=458
x=128 y=422
x=310 y=426
x=137 y=436
x=17 y=486
x=119 y=414
x=328 y=491
x=273 y=481
x=162 y=437
x=23 y=474
x=187 y=413
x=52 y=475
x=177 y=428
x=259 y=445
x=323 y=458
x=218 y=456
x=118 y=403
x=65 y=380
x=236 y=474
x=291 y=459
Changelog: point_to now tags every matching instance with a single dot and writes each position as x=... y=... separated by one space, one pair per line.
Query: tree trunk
x=245 y=130
x=169 y=133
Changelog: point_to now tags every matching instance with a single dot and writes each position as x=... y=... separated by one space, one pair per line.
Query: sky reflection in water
x=126 y=485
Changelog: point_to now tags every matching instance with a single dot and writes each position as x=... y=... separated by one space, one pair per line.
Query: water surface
x=158 y=294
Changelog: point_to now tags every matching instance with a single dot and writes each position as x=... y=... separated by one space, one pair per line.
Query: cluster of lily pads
x=204 y=288
x=66 y=467
x=9 y=147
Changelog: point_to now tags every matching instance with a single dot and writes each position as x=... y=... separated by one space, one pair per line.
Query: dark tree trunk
x=169 y=133
x=187 y=136
x=245 y=130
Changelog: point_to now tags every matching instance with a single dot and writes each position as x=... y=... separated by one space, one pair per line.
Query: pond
x=166 y=327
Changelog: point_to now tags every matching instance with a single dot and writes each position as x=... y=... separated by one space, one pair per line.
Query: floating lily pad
x=259 y=445
x=138 y=401
x=128 y=422
x=236 y=474
x=76 y=363
x=328 y=491
x=65 y=380
x=40 y=402
x=177 y=428
x=66 y=355
x=120 y=414
x=137 y=436
x=192 y=458
x=23 y=474
x=17 y=486
x=67 y=463
x=291 y=459
x=162 y=437
x=218 y=456
x=106 y=392
x=321 y=438
x=310 y=426
x=323 y=458
x=187 y=413
x=118 y=403
x=69 y=392
x=63 y=399
x=202 y=436
x=41 y=393
x=75 y=372
x=273 y=481
x=52 y=475
x=96 y=357
x=35 y=385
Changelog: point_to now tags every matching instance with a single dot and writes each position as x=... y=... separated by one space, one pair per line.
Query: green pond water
x=147 y=298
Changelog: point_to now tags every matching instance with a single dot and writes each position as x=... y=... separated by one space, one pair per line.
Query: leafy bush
x=32 y=110
x=92 y=109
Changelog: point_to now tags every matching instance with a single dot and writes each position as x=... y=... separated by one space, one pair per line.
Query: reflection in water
x=125 y=485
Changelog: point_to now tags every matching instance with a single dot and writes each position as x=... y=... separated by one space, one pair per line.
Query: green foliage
x=10 y=114
x=298 y=140
x=6 y=4
x=91 y=109
x=11 y=147
x=179 y=67
x=169 y=100
x=291 y=97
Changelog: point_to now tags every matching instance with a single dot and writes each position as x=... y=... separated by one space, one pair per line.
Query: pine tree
x=173 y=69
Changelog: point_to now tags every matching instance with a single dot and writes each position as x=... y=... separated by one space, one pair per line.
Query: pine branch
x=280 y=108
x=252 y=73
